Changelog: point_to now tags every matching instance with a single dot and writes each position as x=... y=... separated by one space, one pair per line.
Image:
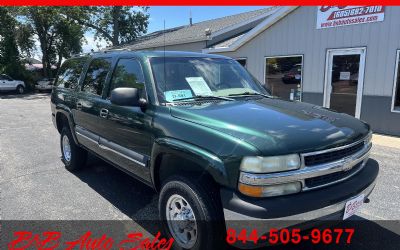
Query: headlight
x=258 y=164
x=368 y=139
x=270 y=190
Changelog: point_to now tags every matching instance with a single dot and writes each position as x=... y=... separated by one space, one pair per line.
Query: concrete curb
x=387 y=141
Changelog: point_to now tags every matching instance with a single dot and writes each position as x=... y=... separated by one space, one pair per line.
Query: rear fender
x=66 y=111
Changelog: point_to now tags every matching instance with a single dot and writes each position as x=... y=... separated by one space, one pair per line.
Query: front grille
x=317 y=159
x=329 y=178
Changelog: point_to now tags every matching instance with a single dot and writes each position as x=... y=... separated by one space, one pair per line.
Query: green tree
x=58 y=35
x=14 y=40
x=68 y=39
x=115 y=24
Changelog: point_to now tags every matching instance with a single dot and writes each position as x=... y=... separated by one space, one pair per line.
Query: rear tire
x=191 y=215
x=73 y=156
x=20 y=89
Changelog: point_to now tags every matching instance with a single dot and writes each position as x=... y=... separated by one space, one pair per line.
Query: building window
x=242 y=61
x=396 y=88
x=283 y=76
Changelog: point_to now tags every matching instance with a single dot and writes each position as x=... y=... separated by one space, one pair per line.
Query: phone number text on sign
x=291 y=236
x=335 y=16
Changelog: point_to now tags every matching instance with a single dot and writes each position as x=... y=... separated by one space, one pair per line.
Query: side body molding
x=209 y=162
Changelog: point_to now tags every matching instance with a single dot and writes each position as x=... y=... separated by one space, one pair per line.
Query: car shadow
x=132 y=197
x=26 y=96
x=139 y=203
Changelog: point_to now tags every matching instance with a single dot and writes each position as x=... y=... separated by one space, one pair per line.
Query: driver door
x=127 y=130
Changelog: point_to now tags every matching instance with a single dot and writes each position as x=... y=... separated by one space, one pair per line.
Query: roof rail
x=116 y=49
x=82 y=54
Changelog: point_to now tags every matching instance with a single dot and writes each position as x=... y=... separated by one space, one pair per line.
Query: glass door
x=344 y=80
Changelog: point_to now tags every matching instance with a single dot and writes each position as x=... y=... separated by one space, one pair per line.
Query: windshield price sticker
x=177 y=94
x=199 y=86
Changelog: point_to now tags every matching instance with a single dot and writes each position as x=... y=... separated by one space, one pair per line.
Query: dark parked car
x=293 y=75
x=208 y=137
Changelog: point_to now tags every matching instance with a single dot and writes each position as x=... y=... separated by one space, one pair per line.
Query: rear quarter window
x=70 y=72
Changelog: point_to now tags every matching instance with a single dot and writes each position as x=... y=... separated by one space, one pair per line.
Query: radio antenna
x=165 y=70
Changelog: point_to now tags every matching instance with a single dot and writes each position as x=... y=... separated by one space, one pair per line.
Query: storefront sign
x=335 y=16
x=345 y=75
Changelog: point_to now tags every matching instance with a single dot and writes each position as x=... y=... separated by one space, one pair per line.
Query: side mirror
x=127 y=97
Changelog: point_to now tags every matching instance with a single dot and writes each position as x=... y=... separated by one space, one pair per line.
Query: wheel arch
x=172 y=157
x=64 y=117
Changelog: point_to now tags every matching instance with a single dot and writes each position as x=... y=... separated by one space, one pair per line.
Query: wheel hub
x=181 y=221
x=66 y=147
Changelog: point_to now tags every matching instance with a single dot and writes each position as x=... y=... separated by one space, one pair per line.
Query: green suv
x=220 y=150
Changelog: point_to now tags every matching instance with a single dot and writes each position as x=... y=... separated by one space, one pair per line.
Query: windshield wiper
x=204 y=97
x=250 y=94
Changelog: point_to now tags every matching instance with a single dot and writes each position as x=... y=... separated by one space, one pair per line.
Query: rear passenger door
x=90 y=106
x=128 y=131
x=67 y=81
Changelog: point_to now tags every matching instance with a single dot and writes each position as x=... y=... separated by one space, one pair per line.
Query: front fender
x=208 y=161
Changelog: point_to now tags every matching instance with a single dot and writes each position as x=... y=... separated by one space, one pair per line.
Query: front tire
x=73 y=156
x=191 y=215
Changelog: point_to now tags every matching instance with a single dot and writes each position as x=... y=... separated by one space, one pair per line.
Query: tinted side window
x=96 y=76
x=70 y=72
x=128 y=73
x=5 y=78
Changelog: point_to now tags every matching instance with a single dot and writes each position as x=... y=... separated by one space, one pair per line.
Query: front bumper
x=306 y=208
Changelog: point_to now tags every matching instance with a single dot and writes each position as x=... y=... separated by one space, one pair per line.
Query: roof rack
x=82 y=54
x=115 y=50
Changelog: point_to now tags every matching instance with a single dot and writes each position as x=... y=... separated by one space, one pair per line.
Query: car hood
x=276 y=126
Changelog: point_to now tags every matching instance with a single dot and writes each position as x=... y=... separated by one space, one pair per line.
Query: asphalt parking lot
x=34 y=185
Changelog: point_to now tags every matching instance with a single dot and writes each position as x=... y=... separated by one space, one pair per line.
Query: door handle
x=78 y=105
x=103 y=113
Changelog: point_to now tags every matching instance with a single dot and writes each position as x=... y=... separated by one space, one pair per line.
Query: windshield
x=186 y=77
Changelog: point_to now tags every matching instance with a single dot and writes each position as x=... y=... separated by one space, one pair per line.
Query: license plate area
x=353 y=206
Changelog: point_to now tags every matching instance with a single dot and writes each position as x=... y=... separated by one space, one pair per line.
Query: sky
x=176 y=16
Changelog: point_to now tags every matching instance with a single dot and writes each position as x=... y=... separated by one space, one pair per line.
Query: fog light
x=270 y=190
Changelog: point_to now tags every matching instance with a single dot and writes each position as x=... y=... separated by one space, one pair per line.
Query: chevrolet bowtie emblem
x=347 y=163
